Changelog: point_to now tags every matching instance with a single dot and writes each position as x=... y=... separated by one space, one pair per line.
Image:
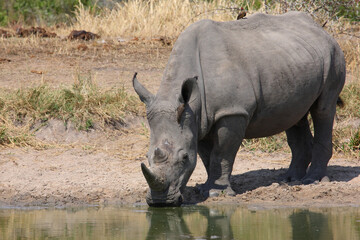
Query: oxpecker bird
x=242 y=14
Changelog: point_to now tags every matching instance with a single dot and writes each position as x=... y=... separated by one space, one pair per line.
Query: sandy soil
x=104 y=167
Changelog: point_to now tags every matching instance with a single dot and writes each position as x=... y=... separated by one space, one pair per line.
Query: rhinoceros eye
x=180 y=111
x=185 y=157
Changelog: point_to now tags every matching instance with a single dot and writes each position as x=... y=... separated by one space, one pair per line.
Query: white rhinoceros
x=226 y=81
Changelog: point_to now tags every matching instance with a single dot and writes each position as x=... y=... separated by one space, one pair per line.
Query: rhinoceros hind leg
x=300 y=141
x=226 y=138
x=322 y=113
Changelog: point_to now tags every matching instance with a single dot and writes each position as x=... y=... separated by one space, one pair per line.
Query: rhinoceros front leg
x=218 y=154
x=300 y=141
x=204 y=149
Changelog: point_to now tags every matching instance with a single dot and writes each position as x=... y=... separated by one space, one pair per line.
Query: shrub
x=39 y=11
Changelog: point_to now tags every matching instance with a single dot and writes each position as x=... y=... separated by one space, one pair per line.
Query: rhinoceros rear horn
x=145 y=96
x=154 y=182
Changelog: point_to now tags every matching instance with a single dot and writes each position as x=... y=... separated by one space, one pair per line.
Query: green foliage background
x=39 y=11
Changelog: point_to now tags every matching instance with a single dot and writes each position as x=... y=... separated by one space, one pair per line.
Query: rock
x=38 y=31
x=82 y=35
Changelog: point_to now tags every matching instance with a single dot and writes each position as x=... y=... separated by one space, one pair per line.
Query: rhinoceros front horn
x=154 y=182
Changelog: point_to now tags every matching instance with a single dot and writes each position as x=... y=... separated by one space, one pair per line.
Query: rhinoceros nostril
x=180 y=200
x=159 y=155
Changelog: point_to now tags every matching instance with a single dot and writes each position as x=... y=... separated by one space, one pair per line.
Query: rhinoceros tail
x=340 y=102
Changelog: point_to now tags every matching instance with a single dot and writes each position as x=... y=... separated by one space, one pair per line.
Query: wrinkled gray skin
x=254 y=78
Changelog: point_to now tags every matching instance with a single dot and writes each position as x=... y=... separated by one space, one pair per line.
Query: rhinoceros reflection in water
x=233 y=222
x=169 y=223
x=226 y=81
x=310 y=225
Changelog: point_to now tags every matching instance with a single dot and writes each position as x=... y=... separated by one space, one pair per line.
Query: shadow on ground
x=252 y=180
x=343 y=174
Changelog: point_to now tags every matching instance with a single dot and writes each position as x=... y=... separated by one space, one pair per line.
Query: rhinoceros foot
x=207 y=190
x=313 y=177
x=293 y=175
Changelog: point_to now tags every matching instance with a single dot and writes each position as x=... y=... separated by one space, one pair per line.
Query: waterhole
x=187 y=222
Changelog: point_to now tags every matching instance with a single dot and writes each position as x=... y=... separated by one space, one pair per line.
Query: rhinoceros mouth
x=164 y=199
x=160 y=194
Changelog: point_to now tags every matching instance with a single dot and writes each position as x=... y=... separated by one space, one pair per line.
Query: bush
x=39 y=11
x=322 y=10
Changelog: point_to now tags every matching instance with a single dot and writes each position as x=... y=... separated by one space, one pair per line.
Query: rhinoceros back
x=270 y=69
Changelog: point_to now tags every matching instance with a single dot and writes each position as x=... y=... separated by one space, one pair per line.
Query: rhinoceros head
x=173 y=141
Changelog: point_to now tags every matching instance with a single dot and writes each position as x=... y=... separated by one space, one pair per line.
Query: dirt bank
x=62 y=177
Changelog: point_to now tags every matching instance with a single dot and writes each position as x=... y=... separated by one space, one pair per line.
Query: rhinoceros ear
x=190 y=90
x=145 y=96
x=189 y=94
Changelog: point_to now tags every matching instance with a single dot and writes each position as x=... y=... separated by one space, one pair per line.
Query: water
x=189 y=222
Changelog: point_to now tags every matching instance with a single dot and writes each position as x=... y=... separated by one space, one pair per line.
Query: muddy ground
x=103 y=167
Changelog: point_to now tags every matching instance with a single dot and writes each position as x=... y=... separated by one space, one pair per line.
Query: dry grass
x=351 y=49
x=168 y=18
x=154 y=18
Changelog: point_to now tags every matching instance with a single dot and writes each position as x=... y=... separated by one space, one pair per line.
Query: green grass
x=84 y=104
x=354 y=143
